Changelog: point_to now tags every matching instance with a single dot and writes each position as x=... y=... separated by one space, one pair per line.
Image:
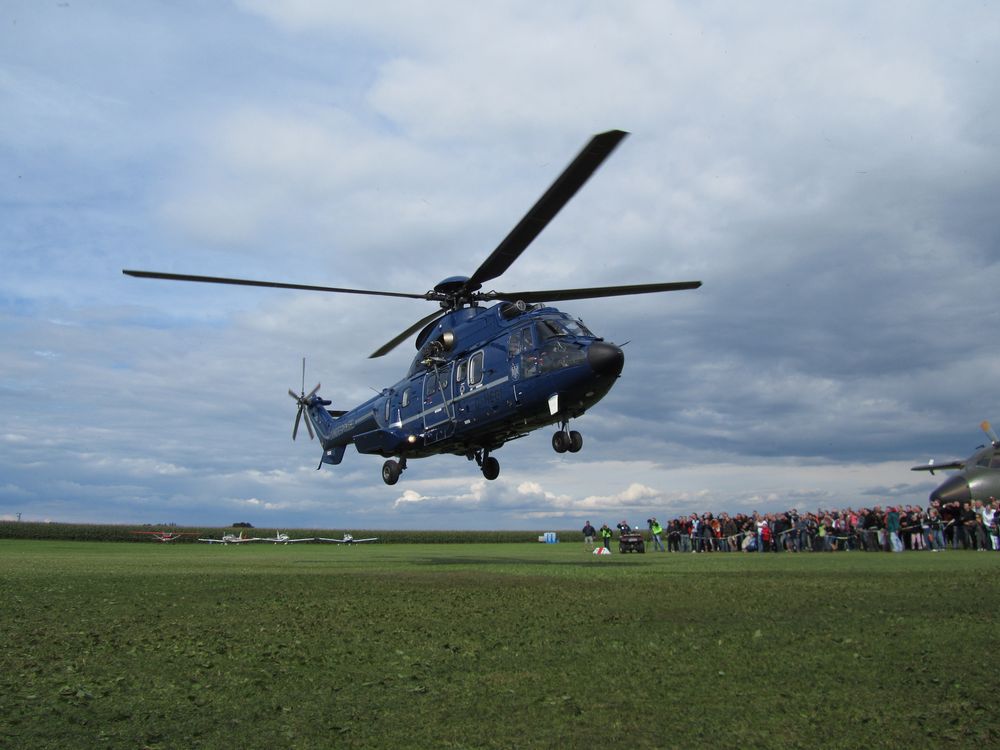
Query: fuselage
x=978 y=479
x=482 y=376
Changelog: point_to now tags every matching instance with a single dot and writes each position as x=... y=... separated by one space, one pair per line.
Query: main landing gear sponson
x=564 y=441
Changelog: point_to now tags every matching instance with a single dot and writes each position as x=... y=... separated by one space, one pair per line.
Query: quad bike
x=631 y=541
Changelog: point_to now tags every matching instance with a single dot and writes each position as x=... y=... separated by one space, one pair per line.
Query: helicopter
x=483 y=374
x=979 y=476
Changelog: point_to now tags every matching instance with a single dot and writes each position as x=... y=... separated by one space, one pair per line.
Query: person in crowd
x=656 y=531
x=588 y=535
x=970 y=525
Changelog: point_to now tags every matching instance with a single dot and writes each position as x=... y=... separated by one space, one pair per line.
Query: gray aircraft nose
x=605 y=358
x=952 y=489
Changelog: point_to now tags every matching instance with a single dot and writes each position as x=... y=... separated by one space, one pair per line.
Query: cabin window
x=476 y=369
x=405 y=401
x=435 y=382
x=388 y=407
x=461 y=369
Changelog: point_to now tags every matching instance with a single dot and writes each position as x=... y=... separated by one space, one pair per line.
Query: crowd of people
x=938 y=527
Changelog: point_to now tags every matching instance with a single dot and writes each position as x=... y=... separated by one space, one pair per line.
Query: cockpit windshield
x=551 y=327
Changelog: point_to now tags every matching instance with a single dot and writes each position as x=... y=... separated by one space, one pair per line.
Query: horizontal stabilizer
x=932 y=467
x=334 y=456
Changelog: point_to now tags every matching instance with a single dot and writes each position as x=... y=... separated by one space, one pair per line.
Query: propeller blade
x=312 y=392
x=274 y=284
x=298 y=416
x=393 y=343
x=309 y=429
x=546 y=208
x=559 y=295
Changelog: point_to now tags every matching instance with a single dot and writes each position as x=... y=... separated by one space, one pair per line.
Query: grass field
x=492 y=645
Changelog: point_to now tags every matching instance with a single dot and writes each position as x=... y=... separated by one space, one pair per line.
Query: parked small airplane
x=164 y=536
x=232 y=539
x=282 y=538
x=348 y=539
x=978 y=476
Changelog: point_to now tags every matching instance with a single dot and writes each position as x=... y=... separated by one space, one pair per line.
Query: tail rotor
x=303 y=399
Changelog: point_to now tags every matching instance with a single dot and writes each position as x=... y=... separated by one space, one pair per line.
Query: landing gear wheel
x=390 y=472
x=491 y=468
x=561 y=442
x=575 y=442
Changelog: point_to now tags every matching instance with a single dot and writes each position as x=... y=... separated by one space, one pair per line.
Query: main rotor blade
x=545 y=209
x=393 y=343
x=274 y=284
x=559 y=295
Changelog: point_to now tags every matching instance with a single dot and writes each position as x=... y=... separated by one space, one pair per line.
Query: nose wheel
x=564 y=441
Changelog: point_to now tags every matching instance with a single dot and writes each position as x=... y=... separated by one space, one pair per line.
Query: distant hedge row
x=112 y=533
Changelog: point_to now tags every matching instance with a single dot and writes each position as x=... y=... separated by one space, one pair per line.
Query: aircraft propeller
x=456 y=291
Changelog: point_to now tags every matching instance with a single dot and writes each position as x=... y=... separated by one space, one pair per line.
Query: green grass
x=492 y=645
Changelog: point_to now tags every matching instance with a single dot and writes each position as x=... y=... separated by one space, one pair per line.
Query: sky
x=829 y=170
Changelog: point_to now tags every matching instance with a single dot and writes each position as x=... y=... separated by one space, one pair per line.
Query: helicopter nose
x=605 y=359
x=951 y=490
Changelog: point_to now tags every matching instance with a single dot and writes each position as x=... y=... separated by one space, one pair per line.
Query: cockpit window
x=552 y=327
x=995 y=463
x=527 y=343
x=984 y=462
x=514 y=345
x=577 y=328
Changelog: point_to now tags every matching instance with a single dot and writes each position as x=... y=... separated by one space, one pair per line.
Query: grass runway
x=492 y=645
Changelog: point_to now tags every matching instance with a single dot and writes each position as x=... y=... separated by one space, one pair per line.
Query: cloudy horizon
x=829 y=171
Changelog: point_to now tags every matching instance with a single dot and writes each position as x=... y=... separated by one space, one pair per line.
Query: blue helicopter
x=483 y=375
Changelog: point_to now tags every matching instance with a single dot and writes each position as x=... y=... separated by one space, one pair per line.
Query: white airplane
x=232 y=539
x=164 y=536
x=348 y=539
x=283 y=538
